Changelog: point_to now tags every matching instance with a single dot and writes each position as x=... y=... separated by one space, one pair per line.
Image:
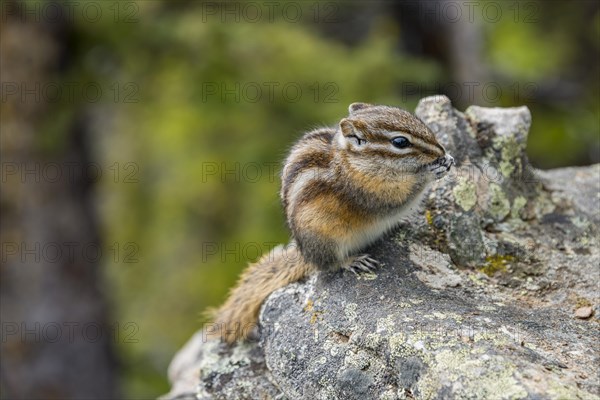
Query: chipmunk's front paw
x=441 y=166
x=362 y=264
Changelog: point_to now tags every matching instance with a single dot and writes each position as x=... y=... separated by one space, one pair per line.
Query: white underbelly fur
x=378 y=228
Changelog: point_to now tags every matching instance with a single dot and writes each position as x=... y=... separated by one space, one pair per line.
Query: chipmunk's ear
x=352 y=108
x=347 y=127
x=351 y=132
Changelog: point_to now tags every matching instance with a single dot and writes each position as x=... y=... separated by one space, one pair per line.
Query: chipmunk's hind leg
x=362 y=263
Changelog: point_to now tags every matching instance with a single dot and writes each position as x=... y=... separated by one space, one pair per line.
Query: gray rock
x=476 y=298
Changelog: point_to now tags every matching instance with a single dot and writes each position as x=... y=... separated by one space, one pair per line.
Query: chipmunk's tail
x=237 y=317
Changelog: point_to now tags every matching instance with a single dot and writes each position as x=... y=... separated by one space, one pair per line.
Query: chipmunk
x=342 y=189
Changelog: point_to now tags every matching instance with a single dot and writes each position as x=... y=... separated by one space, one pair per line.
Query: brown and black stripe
x=308 y=160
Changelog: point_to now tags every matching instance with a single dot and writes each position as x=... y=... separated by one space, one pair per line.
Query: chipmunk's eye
x=401 y=142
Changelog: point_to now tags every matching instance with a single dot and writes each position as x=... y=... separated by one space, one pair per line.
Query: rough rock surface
x=477 y=297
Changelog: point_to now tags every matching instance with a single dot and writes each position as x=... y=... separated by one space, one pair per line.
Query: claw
x=439 y=170
x=441 y=166
x=362 y=264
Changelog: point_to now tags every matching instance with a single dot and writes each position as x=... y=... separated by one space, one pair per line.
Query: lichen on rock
x=464 y=194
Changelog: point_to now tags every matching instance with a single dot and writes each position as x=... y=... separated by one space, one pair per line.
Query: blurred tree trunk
x=449 y=32
x=56 y=341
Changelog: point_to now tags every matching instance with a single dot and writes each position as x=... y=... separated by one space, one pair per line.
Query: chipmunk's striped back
x=307 y=166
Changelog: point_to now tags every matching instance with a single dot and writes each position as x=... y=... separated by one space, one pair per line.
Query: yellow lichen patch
x=496 y=263
x=314 y=315
x=428 y=217
x=582 y=302
x=309 y=305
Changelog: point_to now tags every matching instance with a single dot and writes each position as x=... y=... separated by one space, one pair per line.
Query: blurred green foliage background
x=187 y=110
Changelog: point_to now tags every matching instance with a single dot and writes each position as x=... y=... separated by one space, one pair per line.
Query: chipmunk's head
x=391 y=141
